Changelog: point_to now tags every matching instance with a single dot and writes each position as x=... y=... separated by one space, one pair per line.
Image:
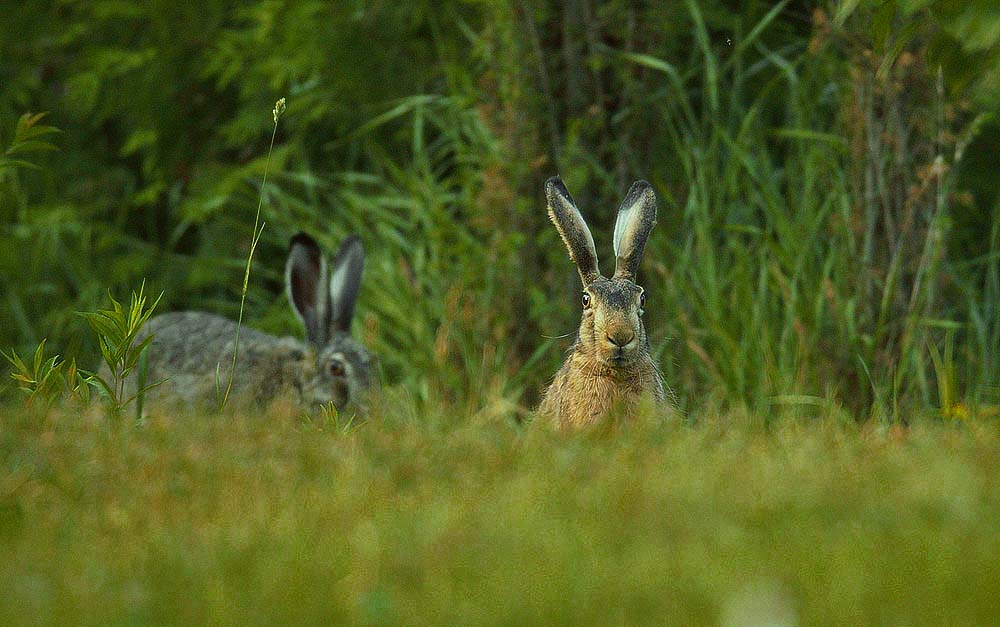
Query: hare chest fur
x=609 y=369
x=584 y=392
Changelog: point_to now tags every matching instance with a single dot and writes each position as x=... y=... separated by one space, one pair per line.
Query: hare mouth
x=619 y=357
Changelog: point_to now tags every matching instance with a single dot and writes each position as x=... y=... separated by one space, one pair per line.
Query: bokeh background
x=829 y=232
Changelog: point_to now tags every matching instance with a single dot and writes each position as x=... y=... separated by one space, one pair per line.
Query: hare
x=609 y=366
x=188 y=347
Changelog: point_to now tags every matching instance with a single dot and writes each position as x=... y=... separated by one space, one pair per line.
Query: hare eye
x=642 y=299
x=337 y=368
x=586 y=300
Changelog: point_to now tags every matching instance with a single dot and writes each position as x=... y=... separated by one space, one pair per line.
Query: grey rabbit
x=331 y=366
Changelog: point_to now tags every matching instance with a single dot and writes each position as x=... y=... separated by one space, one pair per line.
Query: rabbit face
x=611 y=335
x=611 y=330
x=340 y=373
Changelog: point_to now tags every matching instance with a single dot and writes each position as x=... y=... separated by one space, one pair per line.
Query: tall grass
x=258 y=230
x=801 y=264
x=442 y=520
x=776 y=280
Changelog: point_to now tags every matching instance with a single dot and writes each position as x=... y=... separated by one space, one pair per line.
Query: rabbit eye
x=642 y=299
x=586 y=300
x=337 y=368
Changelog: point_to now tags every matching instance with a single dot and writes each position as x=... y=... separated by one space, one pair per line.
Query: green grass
x=267 y=518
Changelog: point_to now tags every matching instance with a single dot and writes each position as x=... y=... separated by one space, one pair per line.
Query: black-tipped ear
x=345 y=282
x=636 y=218
x=573 y=229
x=307 y=287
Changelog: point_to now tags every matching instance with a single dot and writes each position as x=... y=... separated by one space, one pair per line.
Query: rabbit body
x=190 y=350
x=609 y=368
x=189 y=346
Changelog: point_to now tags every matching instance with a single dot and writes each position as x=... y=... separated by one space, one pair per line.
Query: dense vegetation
x=829 y=217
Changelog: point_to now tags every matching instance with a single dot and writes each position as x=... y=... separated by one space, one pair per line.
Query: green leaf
x=38 y=357
x=15 y=360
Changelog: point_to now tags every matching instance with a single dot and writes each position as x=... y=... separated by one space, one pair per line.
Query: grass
x=269 y=518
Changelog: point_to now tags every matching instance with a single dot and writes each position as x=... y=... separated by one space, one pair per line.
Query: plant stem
x=278 y=108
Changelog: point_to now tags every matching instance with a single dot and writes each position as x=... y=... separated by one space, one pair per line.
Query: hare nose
x=622 y=338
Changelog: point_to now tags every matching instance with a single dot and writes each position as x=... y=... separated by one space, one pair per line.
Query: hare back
x=189 y=348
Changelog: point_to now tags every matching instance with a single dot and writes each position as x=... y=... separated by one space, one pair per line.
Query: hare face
x=612 y=330
x=341 y=374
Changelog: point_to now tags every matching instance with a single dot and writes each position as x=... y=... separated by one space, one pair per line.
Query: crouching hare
x=609 y=367
x=330 y=366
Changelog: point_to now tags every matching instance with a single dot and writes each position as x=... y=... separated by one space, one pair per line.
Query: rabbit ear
x=571 y=226
x=346 y=281
x=306 y=284
x=636 y=218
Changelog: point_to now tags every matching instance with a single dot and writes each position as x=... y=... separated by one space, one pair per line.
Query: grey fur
x=345 y=282
x=188 y=347
x=307 y=287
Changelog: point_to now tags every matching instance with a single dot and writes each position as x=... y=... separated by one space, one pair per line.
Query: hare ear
x=572 y=228
x=345 y=282
x=636 y=218
x=306 y=284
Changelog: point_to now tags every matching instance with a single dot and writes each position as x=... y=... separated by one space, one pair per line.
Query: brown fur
x=598 y=377
x=609 y=369
x=584 y=392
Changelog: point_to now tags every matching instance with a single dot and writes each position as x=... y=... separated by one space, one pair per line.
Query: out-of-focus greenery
x=829 y=218
x=430 y=520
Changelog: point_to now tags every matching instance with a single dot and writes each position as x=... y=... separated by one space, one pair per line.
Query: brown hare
x=608 y=367
x=331 y=366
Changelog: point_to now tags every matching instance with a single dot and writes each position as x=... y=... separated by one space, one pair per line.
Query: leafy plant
x=46 y=378
x=117 y=330
x=27 y=138
x=332 y=417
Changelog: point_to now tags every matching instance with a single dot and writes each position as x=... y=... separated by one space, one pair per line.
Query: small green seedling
x=117 y=329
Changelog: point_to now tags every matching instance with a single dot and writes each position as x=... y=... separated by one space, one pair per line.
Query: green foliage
x=117 y=331
x=46 y=379
x=27 y=138
x=822 y=239
x=962 y=38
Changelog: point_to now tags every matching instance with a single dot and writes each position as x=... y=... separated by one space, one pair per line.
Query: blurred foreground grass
x=272 y=519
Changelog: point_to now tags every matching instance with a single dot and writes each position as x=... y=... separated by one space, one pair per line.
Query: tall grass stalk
x=223 y=398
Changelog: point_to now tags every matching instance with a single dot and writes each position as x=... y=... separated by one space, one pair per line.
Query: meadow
x=823 y=298
x=410 y=519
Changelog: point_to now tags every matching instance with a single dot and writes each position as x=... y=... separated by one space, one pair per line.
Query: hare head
x=611 y=331
x=337 y=368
